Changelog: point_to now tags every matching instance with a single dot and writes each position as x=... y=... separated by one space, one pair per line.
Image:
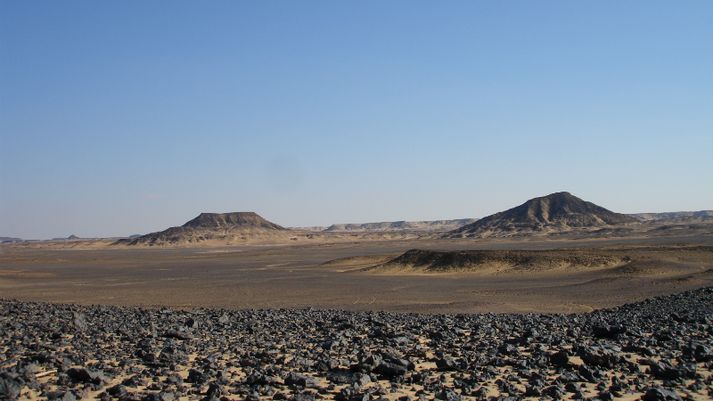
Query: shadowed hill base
x=663 y=261
x=500 y=261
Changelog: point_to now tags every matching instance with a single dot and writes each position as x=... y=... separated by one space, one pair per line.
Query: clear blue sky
x=130 y=116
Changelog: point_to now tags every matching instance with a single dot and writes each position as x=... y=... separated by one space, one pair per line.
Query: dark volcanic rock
x=294 y=379
x=164 y=355
x=84 y=375
x=9 y=388
x=80 y=321
x=560 y=359
x=391 y=366
x=665 y=371
x=610 y=332
x=660 y=394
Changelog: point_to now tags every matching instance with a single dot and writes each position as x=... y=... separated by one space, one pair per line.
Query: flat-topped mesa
x=560 y=211
x=231 y=220
x=222 y=228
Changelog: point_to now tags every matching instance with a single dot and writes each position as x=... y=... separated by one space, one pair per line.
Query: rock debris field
x=658 y=349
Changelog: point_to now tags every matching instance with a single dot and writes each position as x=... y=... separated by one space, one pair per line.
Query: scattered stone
x=79 y=321
x=9 y=389
x=84 y=375
x=308 y=355
x=177 y=334
x=660 y=394
x=560 y=359
x=610 y=332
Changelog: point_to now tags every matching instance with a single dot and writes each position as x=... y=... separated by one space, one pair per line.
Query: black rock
x=599 y=356
x=84 y=375
x=61 y=396
x=665 y=371
x=350 y=394
x=533 y=391
x=9 y=389
x=161 y=396
x=446 y=363
x=391 y=366
x=298 y=380
x=560 y=359
x=569 y=377
x=507 y=349
x=285 y=353
x=79 y=321
x=699 y=352
x=117 y=391
x=214 y=391
x=610 y=332
x=448 y=395
x=361 y=379
x=191 y=323
x=303 y=397
x=177 y=334
x=555 y=392
x=196 y=377
x=660 y=394
x=605 y=396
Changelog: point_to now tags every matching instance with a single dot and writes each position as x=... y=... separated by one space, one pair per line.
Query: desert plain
x=350 y=275
x=557 y=298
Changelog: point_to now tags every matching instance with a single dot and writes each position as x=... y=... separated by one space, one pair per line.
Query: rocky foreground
x=659 y=349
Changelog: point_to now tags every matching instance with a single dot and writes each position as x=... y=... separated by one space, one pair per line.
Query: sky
x=120 y=118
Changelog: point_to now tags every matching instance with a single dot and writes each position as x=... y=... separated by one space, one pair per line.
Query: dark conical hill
x=560 y=211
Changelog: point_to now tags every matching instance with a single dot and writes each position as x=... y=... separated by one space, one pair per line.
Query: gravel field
x=658 y=349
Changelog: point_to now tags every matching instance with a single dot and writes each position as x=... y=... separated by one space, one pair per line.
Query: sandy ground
x=331 y=276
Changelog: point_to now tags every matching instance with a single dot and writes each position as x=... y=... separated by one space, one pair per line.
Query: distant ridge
x=700 y=215
x=557 y=212
x=70 y=238
x=425 y=225
x=226 y=227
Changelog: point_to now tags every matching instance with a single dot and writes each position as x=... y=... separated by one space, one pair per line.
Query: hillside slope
x=557 y=212
x=224 y=227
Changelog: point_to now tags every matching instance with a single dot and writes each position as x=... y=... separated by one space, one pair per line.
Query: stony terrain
x=658 y=349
